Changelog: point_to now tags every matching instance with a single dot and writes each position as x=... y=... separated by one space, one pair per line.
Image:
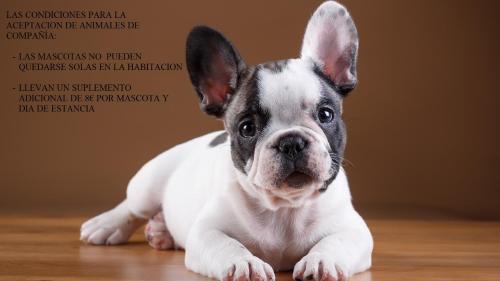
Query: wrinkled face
x=284 y=118
x=287 y=135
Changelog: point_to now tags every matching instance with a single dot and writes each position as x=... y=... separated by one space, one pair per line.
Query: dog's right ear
x=214 y=67
x=331 y=41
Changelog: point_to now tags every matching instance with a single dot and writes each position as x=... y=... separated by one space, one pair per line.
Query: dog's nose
x=291 y=145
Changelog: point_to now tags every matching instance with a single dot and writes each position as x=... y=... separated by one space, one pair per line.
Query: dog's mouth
x=298 y=179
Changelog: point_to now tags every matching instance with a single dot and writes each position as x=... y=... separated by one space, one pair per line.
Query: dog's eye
x=325 y=115
x=247 y=129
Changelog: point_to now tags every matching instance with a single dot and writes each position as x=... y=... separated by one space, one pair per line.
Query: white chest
x=280 y=240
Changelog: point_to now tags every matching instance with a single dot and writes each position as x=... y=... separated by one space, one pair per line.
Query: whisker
x=343 y=160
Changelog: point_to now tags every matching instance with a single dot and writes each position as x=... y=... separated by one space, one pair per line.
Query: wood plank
x=47 y=248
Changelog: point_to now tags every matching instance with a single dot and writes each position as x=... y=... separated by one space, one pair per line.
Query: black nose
x=291 y=145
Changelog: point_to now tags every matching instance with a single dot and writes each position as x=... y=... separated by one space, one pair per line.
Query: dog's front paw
x=157 y=234
x=110 y=228
x=249 y=269
x=319 y=267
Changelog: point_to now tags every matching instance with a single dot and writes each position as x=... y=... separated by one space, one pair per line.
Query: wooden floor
x=44 y=249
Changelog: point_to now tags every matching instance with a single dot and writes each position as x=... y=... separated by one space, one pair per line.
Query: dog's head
x=284 y=118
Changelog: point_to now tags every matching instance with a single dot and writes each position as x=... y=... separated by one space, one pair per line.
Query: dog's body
x=268 y=192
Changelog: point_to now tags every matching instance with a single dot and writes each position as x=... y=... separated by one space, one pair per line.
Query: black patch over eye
x=325 y=115
x=247 y=129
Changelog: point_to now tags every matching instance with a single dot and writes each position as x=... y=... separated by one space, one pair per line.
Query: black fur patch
x=211 y=57
x=275 y=66
x=245 y=106
x=219 y=139
x=334 y=131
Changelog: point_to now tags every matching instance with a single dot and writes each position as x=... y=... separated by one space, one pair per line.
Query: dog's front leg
x=214 y=254
x=339 y=255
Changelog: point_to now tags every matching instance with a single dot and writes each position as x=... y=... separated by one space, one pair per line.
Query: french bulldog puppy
x=268 y=193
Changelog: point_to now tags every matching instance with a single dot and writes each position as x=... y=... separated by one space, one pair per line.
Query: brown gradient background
x=422 y=124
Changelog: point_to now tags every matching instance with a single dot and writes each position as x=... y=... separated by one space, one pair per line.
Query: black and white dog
x=269 y=192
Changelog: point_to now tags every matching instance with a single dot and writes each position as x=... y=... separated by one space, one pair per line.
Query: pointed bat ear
x=214 y=67
x=331 y=41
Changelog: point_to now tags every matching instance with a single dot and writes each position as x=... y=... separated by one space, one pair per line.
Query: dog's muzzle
x=292 y=151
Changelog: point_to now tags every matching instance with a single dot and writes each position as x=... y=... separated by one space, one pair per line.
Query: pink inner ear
x=332 y=53
x=215 y=90
x=340 y=70
x=217 y=85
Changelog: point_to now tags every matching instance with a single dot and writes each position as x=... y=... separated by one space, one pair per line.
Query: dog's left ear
x=214 y=67
x=331 y=41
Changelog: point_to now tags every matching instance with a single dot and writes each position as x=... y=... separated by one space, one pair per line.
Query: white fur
x=287 y=89
x=235 y=226
x=290 y=95
x=223 y=228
